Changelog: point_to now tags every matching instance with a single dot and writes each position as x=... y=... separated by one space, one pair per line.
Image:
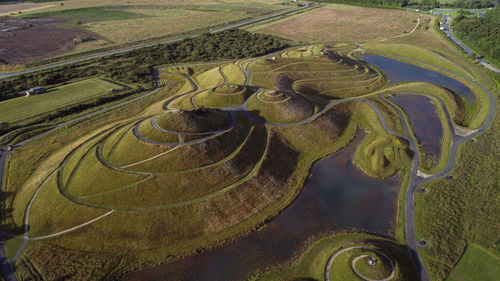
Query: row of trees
x=135 y=66
x=483 y=34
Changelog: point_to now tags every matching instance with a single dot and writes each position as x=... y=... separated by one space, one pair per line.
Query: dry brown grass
x=340 y=23
x=24 y=7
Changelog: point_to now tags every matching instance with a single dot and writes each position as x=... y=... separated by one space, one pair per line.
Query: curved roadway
x=415 y=180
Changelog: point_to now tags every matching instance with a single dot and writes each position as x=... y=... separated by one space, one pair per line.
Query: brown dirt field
x=16 y=7
x=23 y=40
x=340 y=23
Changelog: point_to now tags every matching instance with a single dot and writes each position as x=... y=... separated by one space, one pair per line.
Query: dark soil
x=25 y=40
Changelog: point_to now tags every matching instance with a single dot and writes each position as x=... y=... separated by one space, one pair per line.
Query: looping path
x=353 y=266
x=414 y=179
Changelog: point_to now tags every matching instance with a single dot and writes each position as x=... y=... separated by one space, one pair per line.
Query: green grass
x=380 y=154
x=423 y=54
x=87 y=15
x=59 y=97
x=312 y=261
x=476 y=264
x=262 y=169
x=459 y=211
x=284 y=109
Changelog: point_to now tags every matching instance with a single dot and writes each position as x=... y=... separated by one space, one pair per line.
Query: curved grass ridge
x=311 y=87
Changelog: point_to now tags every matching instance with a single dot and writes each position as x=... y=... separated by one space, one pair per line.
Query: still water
x=424 y=120
x=337 y=197
x=398 y=71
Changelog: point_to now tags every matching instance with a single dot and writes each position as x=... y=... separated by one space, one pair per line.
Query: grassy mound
x=226 y=95
x=200 y=120
x=279 y=107
x=311 y=264
x=330 y=76
x=345 y=265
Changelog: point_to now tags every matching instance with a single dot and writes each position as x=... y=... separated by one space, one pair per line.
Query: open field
x=58 y=97
x=476 y=264
x=30 y=39
x=341 y=23
x=85 y=25
x=10 y=9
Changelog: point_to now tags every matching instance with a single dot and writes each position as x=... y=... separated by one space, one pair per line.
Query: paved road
x=415 y=180
x=240 y=24
x=409 y=202
x=446 y=29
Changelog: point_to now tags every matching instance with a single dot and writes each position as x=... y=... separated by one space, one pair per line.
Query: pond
x=424 y=120
x=337 y=197
x=398 y=71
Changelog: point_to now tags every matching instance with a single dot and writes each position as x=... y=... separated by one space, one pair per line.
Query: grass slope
x=476 y=264
x=58 y=97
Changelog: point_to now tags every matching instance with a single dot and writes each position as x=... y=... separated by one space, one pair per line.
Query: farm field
x=58 y=97
x=342 y=23
x=9 y=9
x=328 y=161
x=84 y=25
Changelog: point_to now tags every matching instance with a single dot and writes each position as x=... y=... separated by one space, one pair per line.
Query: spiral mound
x=200 y=120
x=368 y=264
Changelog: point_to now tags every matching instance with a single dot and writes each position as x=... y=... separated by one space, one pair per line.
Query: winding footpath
x=338 y=253
x=415 y=180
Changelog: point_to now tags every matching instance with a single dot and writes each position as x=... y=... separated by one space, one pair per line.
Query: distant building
x=35 y=91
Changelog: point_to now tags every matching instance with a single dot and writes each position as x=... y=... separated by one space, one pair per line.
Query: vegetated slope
x=135 y=67
x=476 y=264
x=460 y=210
x=182 y=180
x=482 y=34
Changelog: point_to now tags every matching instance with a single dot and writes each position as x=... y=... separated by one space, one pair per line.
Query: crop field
x=341 y=23
x=229 y=149
x=10 y=9
x=58 y=97
x=112 y=23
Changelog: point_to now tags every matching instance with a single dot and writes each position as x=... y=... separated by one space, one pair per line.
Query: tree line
x=134 y=67
x=423 y=4
x=482 y=34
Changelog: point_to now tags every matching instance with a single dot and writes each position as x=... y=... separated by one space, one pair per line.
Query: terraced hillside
x=216 y=160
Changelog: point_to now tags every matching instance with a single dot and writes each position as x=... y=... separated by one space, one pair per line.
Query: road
x=240 y=24
x=446 y=29
x=415 y=180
